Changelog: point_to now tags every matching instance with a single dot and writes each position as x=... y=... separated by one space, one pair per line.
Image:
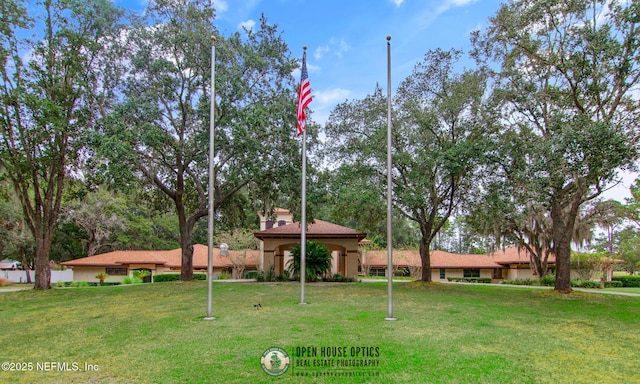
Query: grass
x=445 y=333
x=635 y=290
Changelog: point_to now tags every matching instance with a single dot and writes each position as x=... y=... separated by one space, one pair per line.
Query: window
x=377 y=272
x=442 y=273
x=471 y=273
x=269 y=224
x=497 y=273
x=281 y=223
x=116 y=271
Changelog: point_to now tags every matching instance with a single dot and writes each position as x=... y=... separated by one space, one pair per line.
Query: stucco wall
x=88 y=274
x=18 y=276
x=451 y=272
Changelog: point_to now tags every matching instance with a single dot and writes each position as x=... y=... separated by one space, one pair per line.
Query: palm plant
x=102 y=277
x=141 y=273
x=317 y=261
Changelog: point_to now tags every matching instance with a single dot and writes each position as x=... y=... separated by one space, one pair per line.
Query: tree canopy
x=437 y=142
x=564 y=77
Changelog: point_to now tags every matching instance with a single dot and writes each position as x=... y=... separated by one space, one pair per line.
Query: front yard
x=445 y=333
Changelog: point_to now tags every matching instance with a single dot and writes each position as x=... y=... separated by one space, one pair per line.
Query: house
x=516 y=263
x=277 y=242
x=351 y=258
x=121 y=264
x=510 y=263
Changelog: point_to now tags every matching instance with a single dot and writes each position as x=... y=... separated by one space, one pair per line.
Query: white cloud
x=221 y=6
x=247 y=25
x=344 y=46
x=397 y=3
x=330 y=96
x=448 y=4
x=426 y=17
x=335 y=46
x=460 y=3
x=320 y=51
x=325 y=101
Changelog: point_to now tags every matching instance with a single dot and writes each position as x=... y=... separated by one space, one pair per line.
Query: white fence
x=21 y=276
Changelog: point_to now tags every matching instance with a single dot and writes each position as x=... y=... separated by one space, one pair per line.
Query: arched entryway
x=341 y=241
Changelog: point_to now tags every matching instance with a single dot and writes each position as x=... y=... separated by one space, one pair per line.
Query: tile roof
x=442 y=259
x=515 y=255
x=171 y=258
x=439 y=259
x=318 y=229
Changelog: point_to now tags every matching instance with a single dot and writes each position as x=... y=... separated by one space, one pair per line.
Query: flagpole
x=303 y=216
x=211 y=180
x=389 y=190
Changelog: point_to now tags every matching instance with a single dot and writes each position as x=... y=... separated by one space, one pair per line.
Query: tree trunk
x=25 y=265
x=563 y=266
x=91 y=244
x=425 y=257
x=43 y=269
x=563 y=222
x=186 y=269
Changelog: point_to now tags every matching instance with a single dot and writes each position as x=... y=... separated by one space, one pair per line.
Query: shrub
x=518 y=282
x=548 y=280
x=338 y=278
x=317 y=260
x=223 y=276
x=251 y=275
x=613 y=284
x=61 y=284
x=102 y=277
x=628 y=281
x=484 y=280
x=166 y=277
x=271 y=274
x=586 y=284
x=4 y=282
x=131 y=280
x=141 y=274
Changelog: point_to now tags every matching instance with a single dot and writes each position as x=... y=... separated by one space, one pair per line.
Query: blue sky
x=346 y=39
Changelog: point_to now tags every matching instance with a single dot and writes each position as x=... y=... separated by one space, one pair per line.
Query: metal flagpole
x=303 y=216
x=211 y=179
x=389 y=190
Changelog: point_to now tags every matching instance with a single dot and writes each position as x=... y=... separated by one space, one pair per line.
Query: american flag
x=304 y=96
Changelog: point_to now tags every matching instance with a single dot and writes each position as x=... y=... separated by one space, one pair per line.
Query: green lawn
x=635 y=290
x=445 y=333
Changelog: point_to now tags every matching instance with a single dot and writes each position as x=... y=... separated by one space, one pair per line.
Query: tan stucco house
x=121 y=264
x=510 y=263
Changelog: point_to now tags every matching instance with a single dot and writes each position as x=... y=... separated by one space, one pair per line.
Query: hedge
x=628 y=281
x=176 y=276
x=166 y=277
x=519 y=282
x=484 y=280
x=586 y=284
x=613 y=284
